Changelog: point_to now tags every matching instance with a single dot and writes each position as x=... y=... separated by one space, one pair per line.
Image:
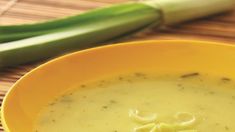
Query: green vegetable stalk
x=21 y=44
x=122 y=13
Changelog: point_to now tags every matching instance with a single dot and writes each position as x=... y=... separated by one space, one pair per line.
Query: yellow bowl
x=37 y=88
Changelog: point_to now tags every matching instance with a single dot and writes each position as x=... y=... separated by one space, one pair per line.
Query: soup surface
x=140 y=102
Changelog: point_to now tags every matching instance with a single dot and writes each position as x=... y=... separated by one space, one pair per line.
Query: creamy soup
x=138 y=102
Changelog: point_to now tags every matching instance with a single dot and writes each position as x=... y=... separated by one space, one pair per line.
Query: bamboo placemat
x=217 y=28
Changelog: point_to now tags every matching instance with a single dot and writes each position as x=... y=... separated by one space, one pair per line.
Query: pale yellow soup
x=111 y=105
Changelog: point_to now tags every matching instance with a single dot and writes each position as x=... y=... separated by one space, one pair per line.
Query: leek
x=122 y=12
x=134 y=114
x=52 y=38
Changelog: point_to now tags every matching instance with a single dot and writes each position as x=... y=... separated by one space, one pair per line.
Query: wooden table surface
x=219 y=28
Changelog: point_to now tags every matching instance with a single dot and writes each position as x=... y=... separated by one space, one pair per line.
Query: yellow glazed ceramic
x=38 y=87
